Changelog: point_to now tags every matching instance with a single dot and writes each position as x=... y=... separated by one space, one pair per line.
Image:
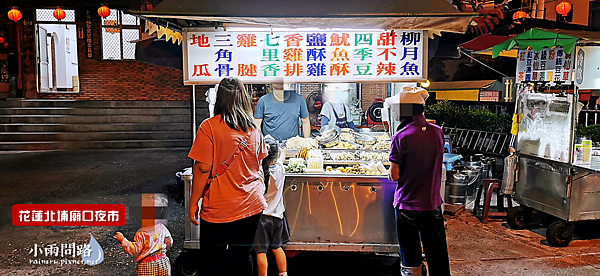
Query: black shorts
x=271 y=234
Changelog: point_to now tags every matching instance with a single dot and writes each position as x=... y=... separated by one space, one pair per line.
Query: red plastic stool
x=488 y=186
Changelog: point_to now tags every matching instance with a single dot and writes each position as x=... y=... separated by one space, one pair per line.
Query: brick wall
x=125 y=80
x=307 y=88
x=369 y=93
x=372 y=91
x=107 y=79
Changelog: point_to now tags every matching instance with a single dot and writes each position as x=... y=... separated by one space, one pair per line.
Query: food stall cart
x=557 y=172
x=332 y=202
x=375 y=41
x=342 y=201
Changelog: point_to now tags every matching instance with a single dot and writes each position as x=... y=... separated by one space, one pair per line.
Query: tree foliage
x=591 y=132
x=449 y=114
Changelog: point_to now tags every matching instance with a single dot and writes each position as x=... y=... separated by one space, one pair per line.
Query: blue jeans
x=414 y=227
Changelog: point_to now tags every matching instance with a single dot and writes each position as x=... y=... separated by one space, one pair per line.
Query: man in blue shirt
x=278 y=114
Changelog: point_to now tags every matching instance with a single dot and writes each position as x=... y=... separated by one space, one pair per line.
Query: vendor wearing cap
x=390 y=110
x=416 y=164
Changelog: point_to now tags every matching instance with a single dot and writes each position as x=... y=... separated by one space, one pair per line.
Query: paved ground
x=114 y=176
x=97 y=176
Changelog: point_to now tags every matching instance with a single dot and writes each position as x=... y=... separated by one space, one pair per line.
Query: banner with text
x=317 y=56
x=546 y=65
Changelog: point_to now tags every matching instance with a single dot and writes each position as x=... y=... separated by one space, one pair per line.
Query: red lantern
x=104 y=11
x=14 y=14
x=5 y=44
x=2 y=40
x=519 y=14
x=563 y=8
x=147 y=7
x=59 y=14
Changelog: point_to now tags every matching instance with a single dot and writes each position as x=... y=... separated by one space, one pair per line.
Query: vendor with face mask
x=338 y=114
x=278 y=113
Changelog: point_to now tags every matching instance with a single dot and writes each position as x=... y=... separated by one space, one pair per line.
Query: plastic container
x=586 y=149
x=315 y=165
x=293 y=161
x=381 y=168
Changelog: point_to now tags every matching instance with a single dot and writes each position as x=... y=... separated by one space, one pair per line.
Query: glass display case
x=545 y=128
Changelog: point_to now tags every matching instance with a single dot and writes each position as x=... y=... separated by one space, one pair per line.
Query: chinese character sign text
x=549 y=65
x=318 y=56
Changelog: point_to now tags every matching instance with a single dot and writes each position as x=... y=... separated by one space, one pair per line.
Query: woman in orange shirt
x=233 y=202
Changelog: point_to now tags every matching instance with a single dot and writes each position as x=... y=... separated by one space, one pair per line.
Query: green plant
x=591 y=131
x=449 y=114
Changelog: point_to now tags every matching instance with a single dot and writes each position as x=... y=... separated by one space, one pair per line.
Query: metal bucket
x=478 y=167
x=474 y=165
x=485 y=170
x=456 y=188
x=473 y=177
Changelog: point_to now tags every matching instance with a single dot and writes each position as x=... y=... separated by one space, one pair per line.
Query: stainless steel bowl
x=364 y=130
x=329 y=134
x=365 y=139
x=328 y=128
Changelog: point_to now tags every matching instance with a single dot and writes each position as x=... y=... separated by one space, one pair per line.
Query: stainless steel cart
x=568 y=192
x=328 y=212
x=192 y=231
x=331 y=211
x=550 y=180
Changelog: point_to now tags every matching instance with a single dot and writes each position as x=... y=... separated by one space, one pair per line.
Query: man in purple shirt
x=416 y=164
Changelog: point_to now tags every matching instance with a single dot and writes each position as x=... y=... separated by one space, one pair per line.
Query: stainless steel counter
x=338 y=177
x=330 y=212
x=568 y=192
x=339 y=212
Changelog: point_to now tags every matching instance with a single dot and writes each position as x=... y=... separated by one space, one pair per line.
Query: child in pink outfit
x=149 y=249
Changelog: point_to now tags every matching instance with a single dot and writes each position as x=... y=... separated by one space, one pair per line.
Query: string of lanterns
x=15 y=15
x=563 y=8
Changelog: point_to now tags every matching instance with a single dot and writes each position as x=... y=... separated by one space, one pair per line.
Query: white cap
x=407 y=95
x=412 y=95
